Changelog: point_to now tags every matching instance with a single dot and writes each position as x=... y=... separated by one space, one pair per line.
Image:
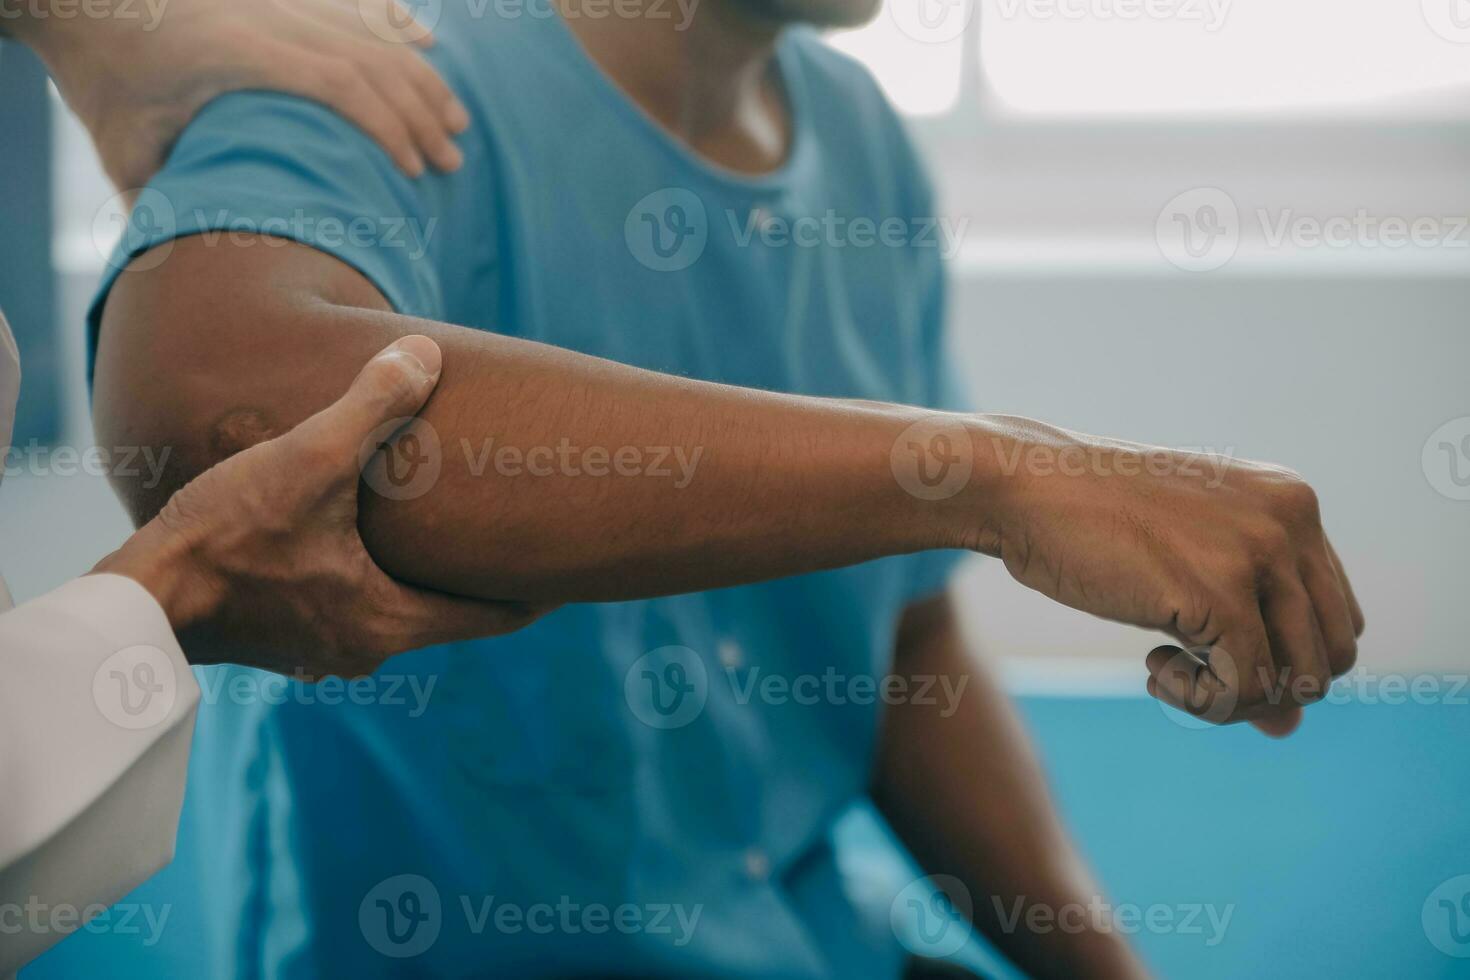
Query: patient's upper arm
x=221 y=345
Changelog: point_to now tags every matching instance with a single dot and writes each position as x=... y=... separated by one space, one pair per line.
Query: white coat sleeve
x=97 y=707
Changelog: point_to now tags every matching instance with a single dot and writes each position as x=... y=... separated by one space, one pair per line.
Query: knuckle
x=1297 y=501
x=1313 y=687
x=1324 y=682
x=1268 y=540
x=1342 y=657
x=1190 y=614
x=1240 y=576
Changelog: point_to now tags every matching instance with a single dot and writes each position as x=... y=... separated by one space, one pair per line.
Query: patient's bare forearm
x=562 y=477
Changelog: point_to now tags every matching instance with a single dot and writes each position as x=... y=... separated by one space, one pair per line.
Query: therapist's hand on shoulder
x=258 y=561
x=136 y=81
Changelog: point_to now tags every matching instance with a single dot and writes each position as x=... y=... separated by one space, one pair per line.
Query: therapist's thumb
x=393 y=386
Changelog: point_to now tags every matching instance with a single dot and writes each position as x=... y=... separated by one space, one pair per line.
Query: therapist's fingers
x=394 y=385
x=341 y=84
x=433 y=90
x=387 y=50
x=388 y=55
x=405 y=84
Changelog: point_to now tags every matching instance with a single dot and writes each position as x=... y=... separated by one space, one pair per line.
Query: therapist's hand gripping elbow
x=258 y=561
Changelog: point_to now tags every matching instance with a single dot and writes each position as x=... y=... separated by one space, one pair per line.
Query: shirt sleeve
x=97 y=708
x=263 y=164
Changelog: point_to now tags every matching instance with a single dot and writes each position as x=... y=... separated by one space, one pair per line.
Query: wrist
x=168 y=564
x=997 y=445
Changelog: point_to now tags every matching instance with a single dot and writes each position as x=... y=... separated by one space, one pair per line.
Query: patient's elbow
x=157 y=427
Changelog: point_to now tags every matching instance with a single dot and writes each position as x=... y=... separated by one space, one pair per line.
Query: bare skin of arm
x=226 y=344
x=253 y=340
x=960 y=784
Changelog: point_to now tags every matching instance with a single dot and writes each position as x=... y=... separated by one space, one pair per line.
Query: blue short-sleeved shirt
x=614 y=790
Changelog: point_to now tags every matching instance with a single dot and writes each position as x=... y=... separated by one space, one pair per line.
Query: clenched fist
x=1226 y=556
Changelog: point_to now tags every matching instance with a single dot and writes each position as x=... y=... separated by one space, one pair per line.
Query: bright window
x=1131 y=57
x=918 y=68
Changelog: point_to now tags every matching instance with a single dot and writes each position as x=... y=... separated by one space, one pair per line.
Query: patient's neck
x=706 y=77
